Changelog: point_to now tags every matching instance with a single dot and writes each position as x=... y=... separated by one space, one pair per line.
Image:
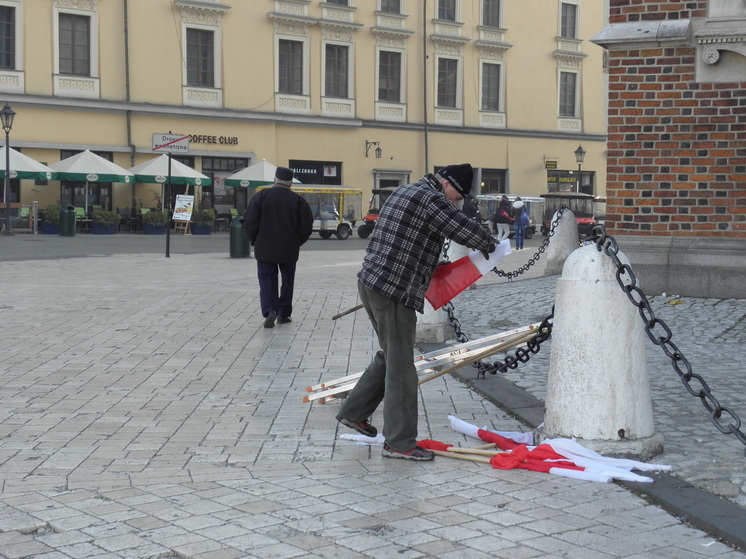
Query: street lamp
x=579 y=156
x=6 y=117
x=378 y=150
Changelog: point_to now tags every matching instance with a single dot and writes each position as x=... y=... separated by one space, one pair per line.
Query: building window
x=389 y=76
x=290 y=69
x=568 y=94
x=447 y=82
x=338 y=2
x=337 y=71
x=447 y=10
x=490 y=87
x=200 y=58
x=569 y=21
x=391 y=6
x=74 y=44
x=7 y=38
x=491 y=13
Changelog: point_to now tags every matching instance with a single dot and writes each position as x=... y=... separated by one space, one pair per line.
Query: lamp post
x=579 y=156
x=6 y=117
x=378 y=150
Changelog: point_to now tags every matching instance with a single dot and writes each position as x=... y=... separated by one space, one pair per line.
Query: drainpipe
x=425 y=84
x=128 y=112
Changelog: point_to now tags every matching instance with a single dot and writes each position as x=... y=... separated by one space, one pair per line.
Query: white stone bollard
x=432 y=325
x=598 y=388
x=563 y=242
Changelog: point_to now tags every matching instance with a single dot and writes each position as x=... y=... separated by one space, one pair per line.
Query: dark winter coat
x=503 y=213
x=278 y=222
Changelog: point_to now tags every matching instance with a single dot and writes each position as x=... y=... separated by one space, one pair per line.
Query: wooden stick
x=486 y=446
x=479 y=451
x=462 y=456
x=348 y=311
x=479 y=356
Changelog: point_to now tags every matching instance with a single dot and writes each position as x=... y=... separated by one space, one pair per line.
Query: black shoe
x=284 y=320
x=269 y=322
x=363 y=427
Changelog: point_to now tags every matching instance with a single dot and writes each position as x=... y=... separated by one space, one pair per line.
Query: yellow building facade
x=363 y=93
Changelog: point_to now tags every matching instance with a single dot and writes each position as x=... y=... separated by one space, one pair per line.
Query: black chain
x=522 y=355
x=626 y=279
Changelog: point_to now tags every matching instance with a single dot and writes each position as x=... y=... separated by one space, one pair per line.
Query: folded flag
x=563 y=457
x=451 y=279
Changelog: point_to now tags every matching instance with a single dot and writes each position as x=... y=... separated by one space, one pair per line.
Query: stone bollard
x=432 y=325
x=598 y=389
x=564 y=241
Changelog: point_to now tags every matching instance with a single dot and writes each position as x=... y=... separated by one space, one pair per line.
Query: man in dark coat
x=278 y=222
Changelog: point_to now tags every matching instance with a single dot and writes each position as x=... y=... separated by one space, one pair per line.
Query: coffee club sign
x=207 y=139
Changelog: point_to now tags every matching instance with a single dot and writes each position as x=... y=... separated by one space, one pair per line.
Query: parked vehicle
x=369 y=220
x=488 y=204
x=581 y=205
x=336 y=209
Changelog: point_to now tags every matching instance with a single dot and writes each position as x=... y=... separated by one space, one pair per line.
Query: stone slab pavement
x=145 y=413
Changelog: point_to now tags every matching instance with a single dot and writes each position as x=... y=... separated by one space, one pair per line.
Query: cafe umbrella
x=254 y=175
x=23 y=167
x=88 y=167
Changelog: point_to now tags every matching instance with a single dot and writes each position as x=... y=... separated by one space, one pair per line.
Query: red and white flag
x=451 y=279
x=563 y=457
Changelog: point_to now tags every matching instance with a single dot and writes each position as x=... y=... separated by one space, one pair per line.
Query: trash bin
x=240 y=246
x=67 y=221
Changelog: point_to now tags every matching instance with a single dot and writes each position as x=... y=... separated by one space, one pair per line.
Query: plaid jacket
x=407 y=241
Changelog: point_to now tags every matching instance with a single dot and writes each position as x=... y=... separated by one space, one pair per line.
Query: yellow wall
x=47 y=123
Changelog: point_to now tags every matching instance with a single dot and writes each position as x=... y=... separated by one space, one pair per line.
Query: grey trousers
x=390 y=372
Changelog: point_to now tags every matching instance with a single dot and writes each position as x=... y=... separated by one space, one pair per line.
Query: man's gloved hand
x=490 y=250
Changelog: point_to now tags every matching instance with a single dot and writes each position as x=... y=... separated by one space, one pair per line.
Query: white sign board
x=183 y=207
x=174 y=143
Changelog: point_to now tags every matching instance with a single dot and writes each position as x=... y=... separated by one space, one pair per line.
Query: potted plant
x=154 y=223
x=104 y=223
x=203 y=222
x=51 y=223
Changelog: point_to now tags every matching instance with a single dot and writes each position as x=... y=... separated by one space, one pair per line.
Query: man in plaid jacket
x=404 y=250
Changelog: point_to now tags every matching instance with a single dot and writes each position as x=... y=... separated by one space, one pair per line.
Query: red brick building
x=676 y=181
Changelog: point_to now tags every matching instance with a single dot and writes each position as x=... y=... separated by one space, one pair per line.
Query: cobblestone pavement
x=147 y=414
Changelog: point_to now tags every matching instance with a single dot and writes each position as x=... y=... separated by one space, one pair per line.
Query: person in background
x=278 y=221
x=502 y=219
x=404 y=250
x=520 y=218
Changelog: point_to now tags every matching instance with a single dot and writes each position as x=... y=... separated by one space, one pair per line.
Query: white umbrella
x=255 y=175
x=156 y=171
x=23 y=167
x=89 y=167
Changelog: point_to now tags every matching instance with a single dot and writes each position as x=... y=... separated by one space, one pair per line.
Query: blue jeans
x=520 y=233
x=273 y=298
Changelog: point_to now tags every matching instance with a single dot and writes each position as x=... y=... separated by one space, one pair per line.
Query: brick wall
x=622 y=11
x=677 y=148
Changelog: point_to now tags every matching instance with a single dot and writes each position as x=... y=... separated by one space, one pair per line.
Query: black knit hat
x=460 y=176
x=283 y=175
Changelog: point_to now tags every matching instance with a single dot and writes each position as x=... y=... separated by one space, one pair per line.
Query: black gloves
x=490 y=250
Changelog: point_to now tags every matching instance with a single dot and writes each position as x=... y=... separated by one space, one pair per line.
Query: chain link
x=660 y=334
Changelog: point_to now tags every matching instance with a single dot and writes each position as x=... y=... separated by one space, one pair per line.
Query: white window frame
x=489 y=118
x=457 y=9
x=12 y=80
x=287 y=102
x=203 y=96
x=87 y=87
x=499 y=18
x=401 y=8
x=575 y=3
x=350 y=68
x=402 y=73
x=459 y=80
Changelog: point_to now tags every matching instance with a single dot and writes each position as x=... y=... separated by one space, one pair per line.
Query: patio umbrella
x=23 y=167
x=156 y=171
x=255 y=175
x=87 y=167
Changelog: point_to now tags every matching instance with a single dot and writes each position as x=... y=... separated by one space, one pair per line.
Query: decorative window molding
x=205 y=15
x=12 y=80
x=387 y=109
x=492 y=117
x=64 y=85
x=292 y=23
x=721 y=43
